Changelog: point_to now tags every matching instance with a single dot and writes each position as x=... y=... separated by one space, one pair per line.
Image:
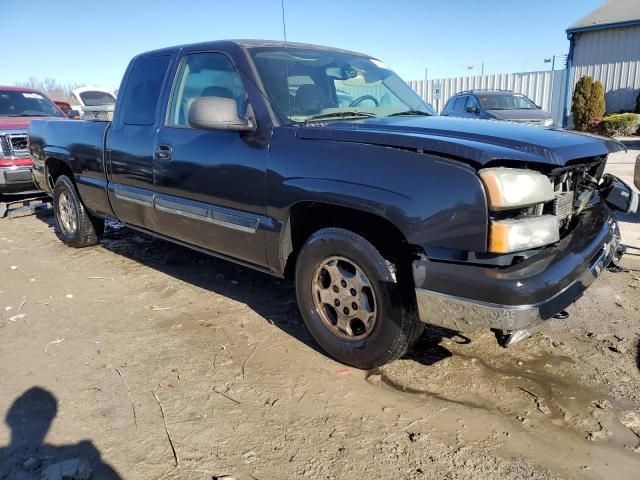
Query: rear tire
x=366 y=329
x=75 y=226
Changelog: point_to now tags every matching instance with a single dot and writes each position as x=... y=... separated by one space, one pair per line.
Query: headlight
x=514 y=235
x=548 y=122
x=514 y=187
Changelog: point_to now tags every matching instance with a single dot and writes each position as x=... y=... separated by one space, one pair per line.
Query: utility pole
x=482 y=70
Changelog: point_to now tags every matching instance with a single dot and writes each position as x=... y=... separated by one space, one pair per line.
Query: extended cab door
x=131 y=141
x=210 y=184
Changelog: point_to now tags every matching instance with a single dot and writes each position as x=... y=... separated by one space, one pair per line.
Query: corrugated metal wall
x=544 y=88
x=613 y=57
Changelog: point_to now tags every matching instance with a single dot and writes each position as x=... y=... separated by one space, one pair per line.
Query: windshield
x=506 y=102
x=26 y=104
x=95 y=98
x=303 y=84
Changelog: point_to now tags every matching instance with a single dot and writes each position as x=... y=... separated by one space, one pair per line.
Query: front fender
x=433 y=201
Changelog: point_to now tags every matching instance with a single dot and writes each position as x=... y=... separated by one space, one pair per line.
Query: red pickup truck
x=18 y=106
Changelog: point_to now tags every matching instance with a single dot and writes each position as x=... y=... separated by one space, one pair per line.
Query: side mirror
x=471 y=110
x=74 y=114
x=217 y=113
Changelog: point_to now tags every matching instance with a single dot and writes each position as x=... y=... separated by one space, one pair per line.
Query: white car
x=94 y=103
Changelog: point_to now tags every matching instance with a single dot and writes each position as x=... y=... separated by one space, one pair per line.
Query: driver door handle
x=163 y=152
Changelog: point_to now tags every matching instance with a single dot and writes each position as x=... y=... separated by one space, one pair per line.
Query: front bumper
x=467 y=297
x=15 y=179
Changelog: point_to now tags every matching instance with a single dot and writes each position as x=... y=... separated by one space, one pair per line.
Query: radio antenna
x=286 y=58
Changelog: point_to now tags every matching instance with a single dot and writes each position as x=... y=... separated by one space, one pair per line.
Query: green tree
x=598 y=105
x=581 y=103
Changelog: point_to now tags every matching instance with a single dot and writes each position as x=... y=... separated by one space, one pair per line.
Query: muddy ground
x=146 y=360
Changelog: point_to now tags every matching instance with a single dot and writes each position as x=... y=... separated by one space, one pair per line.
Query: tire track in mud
x=535 y=393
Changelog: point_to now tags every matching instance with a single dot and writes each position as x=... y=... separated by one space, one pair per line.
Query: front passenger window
x=458 y=106
x=472 y=103
x=205 y=75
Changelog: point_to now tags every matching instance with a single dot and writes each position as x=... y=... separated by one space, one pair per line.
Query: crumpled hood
x=469 y=140
x=521 y=115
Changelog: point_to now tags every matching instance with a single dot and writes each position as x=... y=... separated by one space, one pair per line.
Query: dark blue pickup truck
x=323 y=165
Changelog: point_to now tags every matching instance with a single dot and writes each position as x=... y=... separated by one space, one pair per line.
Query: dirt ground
x=139 y=359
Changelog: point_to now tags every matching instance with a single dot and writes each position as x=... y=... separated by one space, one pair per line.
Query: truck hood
x=18 y=123
x=468 y=140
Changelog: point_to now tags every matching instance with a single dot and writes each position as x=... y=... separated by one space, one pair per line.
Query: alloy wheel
x=344 y=298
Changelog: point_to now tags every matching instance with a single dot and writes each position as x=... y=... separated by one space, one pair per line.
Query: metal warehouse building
x=606 y=46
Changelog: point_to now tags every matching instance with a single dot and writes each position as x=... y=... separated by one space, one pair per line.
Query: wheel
x=76 y=227
x=351 y=301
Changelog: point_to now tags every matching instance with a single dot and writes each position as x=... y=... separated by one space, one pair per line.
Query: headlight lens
x=515 y=187
x=514 y=235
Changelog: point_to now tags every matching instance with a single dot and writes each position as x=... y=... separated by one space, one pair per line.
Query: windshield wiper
x=410 y=112
x=327 y=116
x=29 y=115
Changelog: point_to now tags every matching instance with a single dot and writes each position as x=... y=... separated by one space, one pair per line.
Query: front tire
x=75 y=226
x=351 y=301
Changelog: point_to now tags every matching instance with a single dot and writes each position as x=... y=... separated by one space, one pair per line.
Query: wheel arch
x=307 y=217
x=56 y=165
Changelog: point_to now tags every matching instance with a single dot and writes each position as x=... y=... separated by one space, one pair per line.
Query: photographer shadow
x=28 y=456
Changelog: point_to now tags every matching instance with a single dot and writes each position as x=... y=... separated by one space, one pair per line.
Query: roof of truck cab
x=249 y=43
x=486 y=92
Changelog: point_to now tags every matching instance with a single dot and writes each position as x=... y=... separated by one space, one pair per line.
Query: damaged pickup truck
x=322 y=165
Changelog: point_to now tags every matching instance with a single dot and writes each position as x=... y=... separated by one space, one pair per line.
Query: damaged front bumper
x=466 y=297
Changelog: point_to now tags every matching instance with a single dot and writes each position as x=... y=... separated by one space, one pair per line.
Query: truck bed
x=80 y=144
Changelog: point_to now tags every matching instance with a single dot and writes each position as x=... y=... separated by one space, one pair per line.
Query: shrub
x=581 y=103
x=597 y=104
x=620 y=125
x=596 y=127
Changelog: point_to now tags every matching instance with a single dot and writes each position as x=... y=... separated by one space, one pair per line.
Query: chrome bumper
x=15 y=176
x=465 y=315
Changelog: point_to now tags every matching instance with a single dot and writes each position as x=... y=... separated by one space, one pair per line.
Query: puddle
x=537 y=387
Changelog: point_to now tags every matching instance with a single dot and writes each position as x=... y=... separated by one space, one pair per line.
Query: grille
x=18 y=142
x=14 y=144
x=563 y=205
x=5 y=145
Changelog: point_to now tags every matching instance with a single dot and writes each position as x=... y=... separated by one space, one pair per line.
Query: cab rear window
x=140 y=101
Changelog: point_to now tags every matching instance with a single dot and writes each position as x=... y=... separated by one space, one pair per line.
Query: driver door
x=210 y=184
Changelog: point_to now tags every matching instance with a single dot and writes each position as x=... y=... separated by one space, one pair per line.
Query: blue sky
x=91 y=42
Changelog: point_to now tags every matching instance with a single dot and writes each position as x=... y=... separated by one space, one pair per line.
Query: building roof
x=614 y=13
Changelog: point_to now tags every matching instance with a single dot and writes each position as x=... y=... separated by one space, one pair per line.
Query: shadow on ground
x=272 y=298
x=28 y=457
x=427 y=350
